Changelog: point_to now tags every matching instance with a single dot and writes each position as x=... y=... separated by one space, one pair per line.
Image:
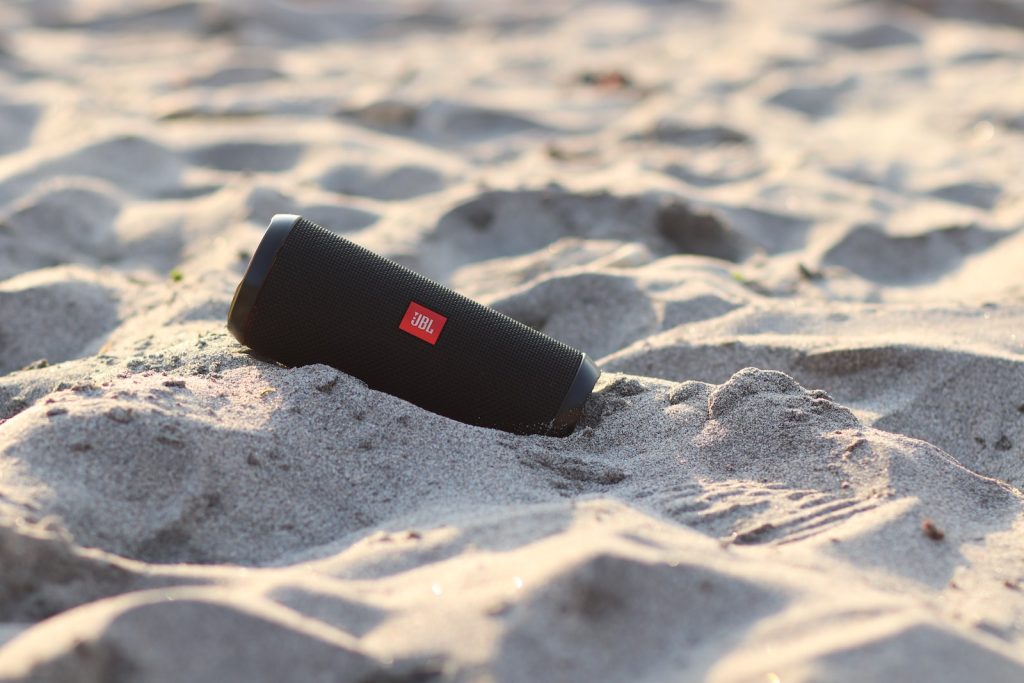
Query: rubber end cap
x=575 y=399
x=260 y=265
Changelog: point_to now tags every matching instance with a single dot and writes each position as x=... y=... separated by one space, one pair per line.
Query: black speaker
x=311 y=296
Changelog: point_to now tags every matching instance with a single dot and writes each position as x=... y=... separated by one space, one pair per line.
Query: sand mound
x=789 y=232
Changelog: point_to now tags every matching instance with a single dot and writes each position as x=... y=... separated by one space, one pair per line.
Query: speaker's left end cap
x=260 y=264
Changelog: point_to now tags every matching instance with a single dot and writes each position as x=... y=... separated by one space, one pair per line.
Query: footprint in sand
x=604 y=598
x=897 y=260
x=243 y=73
x=263 y=202
x=684 y=135
x=248 y=156
x=64 y=221
x=451 y=121
x=998 y=12
x=814 y=101
x=17 y=121
x=54 y=315
x=874 y=37
x=501 y=224
x=597 y=312
x=388 y=184
x=979 y=194
x=133 y=164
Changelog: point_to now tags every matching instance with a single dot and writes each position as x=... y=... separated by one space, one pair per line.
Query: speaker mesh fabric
x=328 y=300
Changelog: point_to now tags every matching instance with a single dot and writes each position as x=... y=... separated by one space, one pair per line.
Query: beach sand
x=790 y=232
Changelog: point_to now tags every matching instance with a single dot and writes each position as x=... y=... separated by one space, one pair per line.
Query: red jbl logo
x=422 y=322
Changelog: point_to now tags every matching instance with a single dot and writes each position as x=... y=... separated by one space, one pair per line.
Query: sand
x=791 y=233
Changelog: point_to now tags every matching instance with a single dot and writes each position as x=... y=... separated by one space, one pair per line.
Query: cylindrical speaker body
x=311 y=296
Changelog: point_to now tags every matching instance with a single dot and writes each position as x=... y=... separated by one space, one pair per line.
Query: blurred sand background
x=791 y=232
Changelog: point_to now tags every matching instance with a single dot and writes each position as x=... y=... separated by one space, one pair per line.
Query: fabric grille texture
x=328 y=300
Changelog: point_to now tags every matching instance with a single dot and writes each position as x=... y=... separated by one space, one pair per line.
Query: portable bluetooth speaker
x=311 y=296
